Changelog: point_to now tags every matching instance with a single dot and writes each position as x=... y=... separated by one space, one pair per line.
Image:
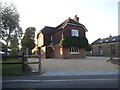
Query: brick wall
x=66 y=53
x=58 y=52
x=67 y=33
x=67 y=30
x=106 y=49
x=43 y=52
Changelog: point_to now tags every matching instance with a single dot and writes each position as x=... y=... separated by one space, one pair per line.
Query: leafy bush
x=74 y=42
x=14 y=51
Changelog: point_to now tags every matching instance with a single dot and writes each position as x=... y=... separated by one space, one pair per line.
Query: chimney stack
x=76 y=18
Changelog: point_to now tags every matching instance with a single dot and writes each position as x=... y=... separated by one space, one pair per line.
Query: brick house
x=109 y=47
x=48 y=40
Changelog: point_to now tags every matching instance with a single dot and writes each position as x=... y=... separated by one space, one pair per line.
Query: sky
x=100 y=17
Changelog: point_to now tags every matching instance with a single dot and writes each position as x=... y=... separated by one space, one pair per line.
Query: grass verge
x=13 y=69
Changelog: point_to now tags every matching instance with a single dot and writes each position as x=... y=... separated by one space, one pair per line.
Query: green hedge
x=74 y=42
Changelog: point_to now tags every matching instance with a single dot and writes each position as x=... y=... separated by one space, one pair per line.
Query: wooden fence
x=25 y=62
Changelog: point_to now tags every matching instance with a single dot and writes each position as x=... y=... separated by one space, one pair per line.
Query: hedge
x=74 y=42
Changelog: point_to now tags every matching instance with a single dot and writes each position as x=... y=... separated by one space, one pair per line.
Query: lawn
x=11 y=60
x=11 y=69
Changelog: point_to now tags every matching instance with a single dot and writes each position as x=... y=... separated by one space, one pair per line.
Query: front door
x=100 y=51
x=49 y=52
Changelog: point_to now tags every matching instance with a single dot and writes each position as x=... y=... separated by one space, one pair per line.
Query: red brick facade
x=65 y=53
x=50 y=48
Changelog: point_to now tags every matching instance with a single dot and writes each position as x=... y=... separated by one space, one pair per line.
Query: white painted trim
x=74 y=53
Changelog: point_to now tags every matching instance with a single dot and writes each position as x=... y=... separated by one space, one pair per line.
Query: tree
x=89 y=47
x=9 y=23
x=28 y=39
x=14 y=46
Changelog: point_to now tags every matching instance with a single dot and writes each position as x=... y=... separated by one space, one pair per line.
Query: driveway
x=83 y=64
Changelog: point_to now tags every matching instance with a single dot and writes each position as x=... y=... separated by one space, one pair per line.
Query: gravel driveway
x=85 y=64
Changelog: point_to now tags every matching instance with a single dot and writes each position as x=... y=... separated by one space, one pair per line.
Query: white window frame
x=106 y=40
x=101 y=41
x=74 y=50
x=74 y=32
x=51 y=38
x=113 y=39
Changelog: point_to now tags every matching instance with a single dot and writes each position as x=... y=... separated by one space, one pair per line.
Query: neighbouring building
x=109 y=47
x=49 y=38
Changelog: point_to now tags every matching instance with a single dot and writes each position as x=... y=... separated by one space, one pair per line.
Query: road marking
x=71 y=73
x=64 y=80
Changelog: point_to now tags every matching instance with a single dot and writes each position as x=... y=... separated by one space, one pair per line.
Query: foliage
x=74 y=42
x=28 y=39
x=30 y=32
x=14 y=46
x=14 y=51
x=14 y=42
x=89 y=47
x=10 y=23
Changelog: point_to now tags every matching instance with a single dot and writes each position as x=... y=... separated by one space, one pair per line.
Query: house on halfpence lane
x=67 y=40
x=109 y=47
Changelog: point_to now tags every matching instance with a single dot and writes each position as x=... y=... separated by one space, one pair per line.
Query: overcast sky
x=99 y=16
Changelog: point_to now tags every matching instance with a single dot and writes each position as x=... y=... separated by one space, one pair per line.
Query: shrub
x=74 y=42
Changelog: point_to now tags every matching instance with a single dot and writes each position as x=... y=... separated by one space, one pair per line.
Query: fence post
x=23 y=65
x=39 y=64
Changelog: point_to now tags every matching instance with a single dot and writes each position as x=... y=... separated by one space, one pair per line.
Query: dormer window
x=101 y=41
x=106 y=40
x=74 y=32
x=113 y=39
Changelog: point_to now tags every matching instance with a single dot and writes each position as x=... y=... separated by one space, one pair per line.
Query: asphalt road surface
x=87 y=81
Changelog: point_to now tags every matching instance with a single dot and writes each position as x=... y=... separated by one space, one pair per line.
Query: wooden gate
x=30 y=63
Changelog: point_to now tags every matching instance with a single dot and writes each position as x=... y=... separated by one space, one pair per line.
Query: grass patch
x=11 y=60
x=13 y=69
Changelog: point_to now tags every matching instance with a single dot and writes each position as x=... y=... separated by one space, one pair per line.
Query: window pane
x=74 y=49
x=74 y=33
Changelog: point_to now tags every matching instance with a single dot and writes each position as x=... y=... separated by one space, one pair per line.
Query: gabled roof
x=47 y=30
x=70 y=21
x=107 y=40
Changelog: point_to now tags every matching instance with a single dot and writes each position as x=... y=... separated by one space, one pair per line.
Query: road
x=83 y=81
x=91 y=72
